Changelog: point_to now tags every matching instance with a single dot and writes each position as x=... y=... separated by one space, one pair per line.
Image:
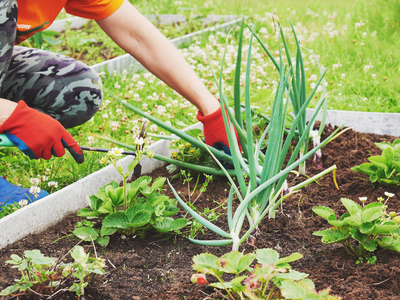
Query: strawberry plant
x=369 y=226
x=384 y=168
x=134 y=205
x=271 y=278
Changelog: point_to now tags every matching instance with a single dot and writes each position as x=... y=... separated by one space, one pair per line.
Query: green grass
x=358 y=90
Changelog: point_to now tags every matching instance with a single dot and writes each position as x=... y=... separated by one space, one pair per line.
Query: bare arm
x=137 y=36
x=6 y=108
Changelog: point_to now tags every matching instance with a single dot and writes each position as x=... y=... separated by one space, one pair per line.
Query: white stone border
x=366 y=122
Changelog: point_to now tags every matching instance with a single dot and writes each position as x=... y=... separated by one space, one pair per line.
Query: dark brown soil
x=159 y=266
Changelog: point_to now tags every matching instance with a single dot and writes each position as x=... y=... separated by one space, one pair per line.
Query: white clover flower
x=312 y=85
x=357 y=25
x=105 y=116
x=114 y=125
x=117 y=86
x=23 y=202
x=263 y=30
x=340 y=94
x=373 y=75
x=117 y=151
x=153 y=128
x=35 y=190
x=147 y=75
x=161 y=109
x=367 y=67
x=390 y=195
x=118 y=111
x=90 y=140
x=365 y=99
x=313 y=77
x=43 y=178
x=135 y=128
x=135 y=77
x=363 y=199
x=34 y=181
x=53 y=184
x=339 y=84
x=343 y=75
x=168 y=123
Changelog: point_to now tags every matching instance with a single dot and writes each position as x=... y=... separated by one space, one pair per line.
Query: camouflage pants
x=59 y=86
x=62 y=87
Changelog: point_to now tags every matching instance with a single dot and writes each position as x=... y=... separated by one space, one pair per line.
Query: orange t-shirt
x=36 y=15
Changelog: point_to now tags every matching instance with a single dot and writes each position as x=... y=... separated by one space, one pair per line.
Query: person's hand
x=39 y=135
x=214 y=131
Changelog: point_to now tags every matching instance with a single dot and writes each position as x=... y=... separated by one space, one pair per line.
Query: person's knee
x=60 y=86
x=80 y=100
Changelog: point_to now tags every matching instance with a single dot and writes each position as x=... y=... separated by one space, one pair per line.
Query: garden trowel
x=5 y=142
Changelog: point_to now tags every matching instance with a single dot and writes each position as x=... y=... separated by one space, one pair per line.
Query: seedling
x=43 y=275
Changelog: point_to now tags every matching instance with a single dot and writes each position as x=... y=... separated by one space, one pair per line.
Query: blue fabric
x=21 y=145
x=9 y=193
x=79 y=158
x=221 y=146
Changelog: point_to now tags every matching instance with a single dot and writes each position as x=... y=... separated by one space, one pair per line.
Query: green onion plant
x=266 y=173
x=297 y=92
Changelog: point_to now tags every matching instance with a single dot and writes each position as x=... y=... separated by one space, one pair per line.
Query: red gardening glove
x=214 y=131
x=39 y=135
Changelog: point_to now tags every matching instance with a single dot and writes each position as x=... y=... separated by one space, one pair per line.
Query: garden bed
x=159 y=266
